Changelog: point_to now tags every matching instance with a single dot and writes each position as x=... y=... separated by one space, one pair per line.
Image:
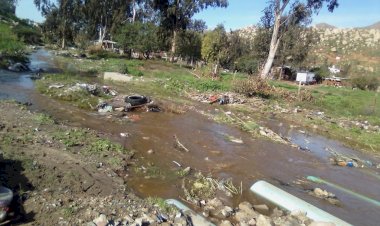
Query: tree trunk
x=174 y=45
x=63 y=42
x=216 y=69
x=134 y=11
x=275 y=41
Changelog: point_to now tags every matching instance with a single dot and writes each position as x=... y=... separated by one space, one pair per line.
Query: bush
x=246 y=64
x=97 y=52
x=254 y=86
x=365 y=82
x=124 y=69
x=28 y=34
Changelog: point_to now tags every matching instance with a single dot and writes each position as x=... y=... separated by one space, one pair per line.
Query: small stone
x=227 y=211
x=216 y=203
x=101 y=220
x=263 y=221
x=121 y=109
x=252 y=222
x=321 y=193
x=226 y=223
x=277 y=213
x=206 y=213
x=150 y=151
x=262 y=207
x=245 y=206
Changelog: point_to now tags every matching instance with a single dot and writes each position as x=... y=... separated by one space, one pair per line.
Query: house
x=306 y=77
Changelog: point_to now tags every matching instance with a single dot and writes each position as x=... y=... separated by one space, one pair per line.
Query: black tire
x=135 y=100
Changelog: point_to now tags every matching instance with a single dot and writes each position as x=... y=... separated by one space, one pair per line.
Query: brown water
x=210 y=152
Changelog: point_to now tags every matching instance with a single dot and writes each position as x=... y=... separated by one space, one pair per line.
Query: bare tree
x=287 y=13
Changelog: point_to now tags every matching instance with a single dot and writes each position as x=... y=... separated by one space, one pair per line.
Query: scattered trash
x=353 y=161
x=120 y=109
x=136 y=100
x=93 y=89
x=179 y=165
x=107 y=90
x=179 y=145
x=153 y=108
x=124 y=134
x=104 y=108
x=224 y=98
x=232 y=139
x=6 y=196
x=56 y=86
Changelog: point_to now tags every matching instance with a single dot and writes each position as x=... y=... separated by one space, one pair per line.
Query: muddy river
x=210 y=152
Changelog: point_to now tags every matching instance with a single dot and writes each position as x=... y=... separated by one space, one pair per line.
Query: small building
x=306 y=77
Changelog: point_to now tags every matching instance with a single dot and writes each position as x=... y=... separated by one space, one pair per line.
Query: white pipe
x=196 y=218
x=291 y=203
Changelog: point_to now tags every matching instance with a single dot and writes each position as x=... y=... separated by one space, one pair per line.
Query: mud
x=211 y=153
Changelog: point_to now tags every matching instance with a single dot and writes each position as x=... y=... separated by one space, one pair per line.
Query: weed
x=161 y=204
x=254 y=87
x=43 y=119
x=72 y=137
x=68 y=212
x=103 y=145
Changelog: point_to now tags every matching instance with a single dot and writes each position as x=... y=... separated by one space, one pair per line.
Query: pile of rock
x=248 y=214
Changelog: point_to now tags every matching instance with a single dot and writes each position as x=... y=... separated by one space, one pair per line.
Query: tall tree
x=214 y=47
x=282 y=14
x=176 y=15
x=62 y=19
x=106 y=16
x=8 y=6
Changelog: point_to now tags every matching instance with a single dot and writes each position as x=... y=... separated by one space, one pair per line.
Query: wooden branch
x=180 y=145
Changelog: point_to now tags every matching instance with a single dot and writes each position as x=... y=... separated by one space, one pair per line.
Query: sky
x=243 y=13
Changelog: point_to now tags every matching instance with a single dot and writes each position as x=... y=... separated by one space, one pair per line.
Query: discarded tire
x=135 y=100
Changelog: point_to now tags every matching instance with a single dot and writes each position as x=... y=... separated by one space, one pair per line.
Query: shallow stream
x=211 y=153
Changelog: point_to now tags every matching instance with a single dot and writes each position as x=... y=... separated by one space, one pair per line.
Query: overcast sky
x=242 y=13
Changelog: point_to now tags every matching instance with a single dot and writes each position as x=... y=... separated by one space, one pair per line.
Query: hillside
x=355 y=50
x=324 y=26
x=374 y=26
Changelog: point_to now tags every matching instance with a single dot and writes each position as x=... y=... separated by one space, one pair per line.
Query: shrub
x=254 y=86
x=124 y=69
x=246 y=64
x=365 y=82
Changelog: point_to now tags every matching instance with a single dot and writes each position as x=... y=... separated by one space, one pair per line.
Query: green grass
x=43 y=119
x=80 y=98
x=345 y=102
x=94 y=66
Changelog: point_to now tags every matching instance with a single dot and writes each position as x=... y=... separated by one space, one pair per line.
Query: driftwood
x=179 y=145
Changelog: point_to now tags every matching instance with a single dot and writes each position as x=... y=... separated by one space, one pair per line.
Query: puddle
x=211 y=153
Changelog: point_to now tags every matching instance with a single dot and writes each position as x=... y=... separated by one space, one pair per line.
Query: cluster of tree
x=152 y=23
x=8 y=7
x=147 y=26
